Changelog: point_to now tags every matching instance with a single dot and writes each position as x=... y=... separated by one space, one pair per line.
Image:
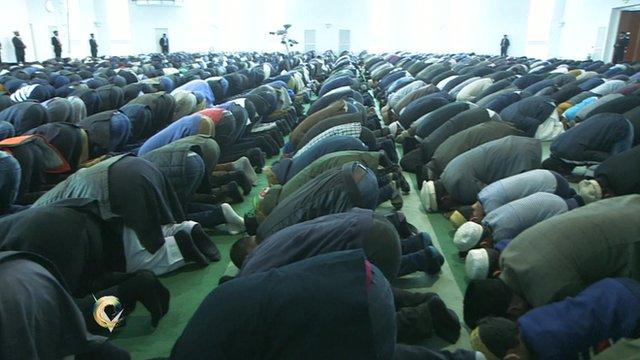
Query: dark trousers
x=58 y=52
x=94 y=53
x=503 y=50
x=20 y=56
x=165 y=49
x=618 y=55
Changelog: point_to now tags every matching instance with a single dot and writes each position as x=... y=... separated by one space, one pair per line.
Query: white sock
x=235 y=223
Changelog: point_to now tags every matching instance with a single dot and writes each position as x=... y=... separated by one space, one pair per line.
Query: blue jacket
x=179 y=129
x=608 y=309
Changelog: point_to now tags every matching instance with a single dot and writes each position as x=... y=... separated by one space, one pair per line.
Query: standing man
x=620 y=48
x=94 y=46
x=57 y=45
x=504 y=45
x=19 y=47
x=164 y=44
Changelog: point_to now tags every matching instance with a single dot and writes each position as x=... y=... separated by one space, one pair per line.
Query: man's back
x=561 y=256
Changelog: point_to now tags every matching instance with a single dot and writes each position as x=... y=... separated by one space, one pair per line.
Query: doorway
x=158 y=34
x=630 y=22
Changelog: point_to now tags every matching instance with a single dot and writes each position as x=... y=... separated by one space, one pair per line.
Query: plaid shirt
x=351 y=129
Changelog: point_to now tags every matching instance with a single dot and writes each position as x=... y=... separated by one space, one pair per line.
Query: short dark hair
x=239 y=251
x=485 y=297
x=499 y=335
x=91 y=34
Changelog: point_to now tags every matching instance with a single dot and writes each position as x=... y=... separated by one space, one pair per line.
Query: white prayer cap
x=476 y=264
x=467 y=236
x=590 y=191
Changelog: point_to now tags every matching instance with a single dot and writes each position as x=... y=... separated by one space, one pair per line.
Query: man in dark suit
x=19 y=47
x=57 y=45
x=620 y=48
x=94 y=46
x=504 y=45
x=164 y=44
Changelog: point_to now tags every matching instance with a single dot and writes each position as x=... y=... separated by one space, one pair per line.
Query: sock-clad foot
x=231 y=192
x=220 y=178
x=435 y=260
x=445 y=322
x=235 y=223
x=204 y=244
x=415 y=243
x=256 y=159
x=396 y=198
x=188 y=248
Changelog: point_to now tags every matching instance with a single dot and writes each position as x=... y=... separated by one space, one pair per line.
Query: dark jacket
x=529 y=113
x=329 y=233
x=621 y=173
x=462 y=121
x=171 y=159
x=332 y=192
x=592 y=140
x=25 y=116
x=319 y=305
x=53 y=232
x=467 y=140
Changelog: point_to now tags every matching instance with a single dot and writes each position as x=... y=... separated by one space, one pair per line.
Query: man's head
x=241 y=248
x=590 y=190
x=469 y=236
x=477 y=212
x=490 y=297
x=91 y=35
x=504 y=36
x=16 y=33
x=55 y=32
x=164 y=35
x=622 y=34
x=482 y=263
x=499 y=338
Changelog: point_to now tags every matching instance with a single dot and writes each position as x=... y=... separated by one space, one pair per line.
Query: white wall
x=122 y=27
x=577 y=36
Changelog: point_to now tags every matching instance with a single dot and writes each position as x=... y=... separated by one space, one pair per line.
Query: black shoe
x=188 y=248
x=256 y=158
x=204 y=244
